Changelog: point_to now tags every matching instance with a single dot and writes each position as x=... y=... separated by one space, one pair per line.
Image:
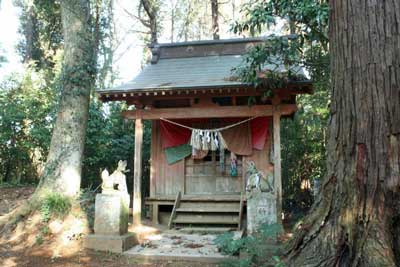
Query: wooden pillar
x=277 y=157
x=155 y=214
x=153 y=156
x=137 y=173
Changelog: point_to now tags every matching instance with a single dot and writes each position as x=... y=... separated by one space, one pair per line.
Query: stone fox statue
x=256 y=179
x=117 y=178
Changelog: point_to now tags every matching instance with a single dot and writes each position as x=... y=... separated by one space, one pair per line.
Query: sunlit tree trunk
x=355 y=220
x=62 y=172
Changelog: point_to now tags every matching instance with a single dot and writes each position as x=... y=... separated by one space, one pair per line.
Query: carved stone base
x=111 y=214
x=116 y=244
x=261 y=209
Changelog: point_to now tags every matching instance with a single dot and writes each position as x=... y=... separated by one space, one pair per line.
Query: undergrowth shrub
x=87 y=201
x=39 y=240
x=228 y=245
x=261 y=249
x=54 y=205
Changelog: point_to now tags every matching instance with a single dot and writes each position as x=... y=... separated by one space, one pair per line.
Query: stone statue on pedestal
x=117 y=178
x=257 y=181
x=261 y=198
x=112 y=214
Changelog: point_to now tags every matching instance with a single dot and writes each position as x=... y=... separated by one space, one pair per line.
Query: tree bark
x=62 y=172
x=151 y=9
x=214 y=14
x=31 y=50
x=355 y=219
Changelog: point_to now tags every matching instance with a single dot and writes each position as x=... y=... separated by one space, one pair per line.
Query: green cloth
x=177 y=153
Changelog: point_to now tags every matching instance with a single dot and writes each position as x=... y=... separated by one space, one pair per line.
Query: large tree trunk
x=355 y=220
x=62 y=171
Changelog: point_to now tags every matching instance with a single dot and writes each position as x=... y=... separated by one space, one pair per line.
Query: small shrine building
x=204 y=132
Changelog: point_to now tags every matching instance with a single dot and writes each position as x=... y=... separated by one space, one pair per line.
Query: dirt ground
x=11 y=197
x=60 y=244
x=83 y=258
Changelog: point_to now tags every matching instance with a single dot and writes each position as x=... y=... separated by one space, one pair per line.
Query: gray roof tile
x=184 y=73
x=187 y=73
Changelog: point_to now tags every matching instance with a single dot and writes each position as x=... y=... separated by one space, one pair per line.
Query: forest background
x=29 y=96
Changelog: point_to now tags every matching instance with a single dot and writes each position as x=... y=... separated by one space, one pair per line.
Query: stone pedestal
x=261 y=209
x=111 y=214
x=111 y=224
x=112 y=243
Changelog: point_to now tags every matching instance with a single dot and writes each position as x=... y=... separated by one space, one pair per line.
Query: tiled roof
x=192 y=65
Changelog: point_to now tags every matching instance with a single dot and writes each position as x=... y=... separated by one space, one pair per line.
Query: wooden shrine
x=191 y=84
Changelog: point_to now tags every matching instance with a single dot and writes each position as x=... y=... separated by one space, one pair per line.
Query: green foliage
x=262 y=64
x=308 y=18
x=270 y=231
x=3 y=58
x=54 y=205
x=228 y=245
x=258 y=250
x=45 y=230
x=87 y=202
x=27 y=112
x=41 y=28
x=303 y=151
x=307 y=46
x=28 y=104
x=39 y=239
x=110 y=138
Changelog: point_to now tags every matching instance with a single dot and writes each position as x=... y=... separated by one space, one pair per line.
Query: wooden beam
x=206 y=112
x=290 y=89
x=137 y=173
x=277 y=159
x=173 y=213
x=146 y=98
x=241 y=205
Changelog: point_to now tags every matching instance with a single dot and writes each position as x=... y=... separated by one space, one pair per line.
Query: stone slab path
x=176 y=246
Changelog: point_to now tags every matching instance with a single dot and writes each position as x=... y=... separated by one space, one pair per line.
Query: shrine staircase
x=214 y=212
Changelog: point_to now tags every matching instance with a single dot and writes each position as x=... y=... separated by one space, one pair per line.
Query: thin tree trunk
x=172 y=22
x=62 y=171
x=214 y=14
x=31 y=50
x=151 y=9
x=7 y=176
x=355 y=220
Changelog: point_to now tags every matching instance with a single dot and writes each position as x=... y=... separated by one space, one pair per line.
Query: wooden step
x=204 y=221
x=208 y=210
x=196 y=198
x=207 y=230
x=189 y=218
x=205 y=206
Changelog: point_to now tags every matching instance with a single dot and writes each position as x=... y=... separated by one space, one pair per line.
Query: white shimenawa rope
x=210 y=130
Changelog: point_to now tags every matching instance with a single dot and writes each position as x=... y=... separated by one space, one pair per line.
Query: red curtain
x=259 y=131
x=173 y=135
